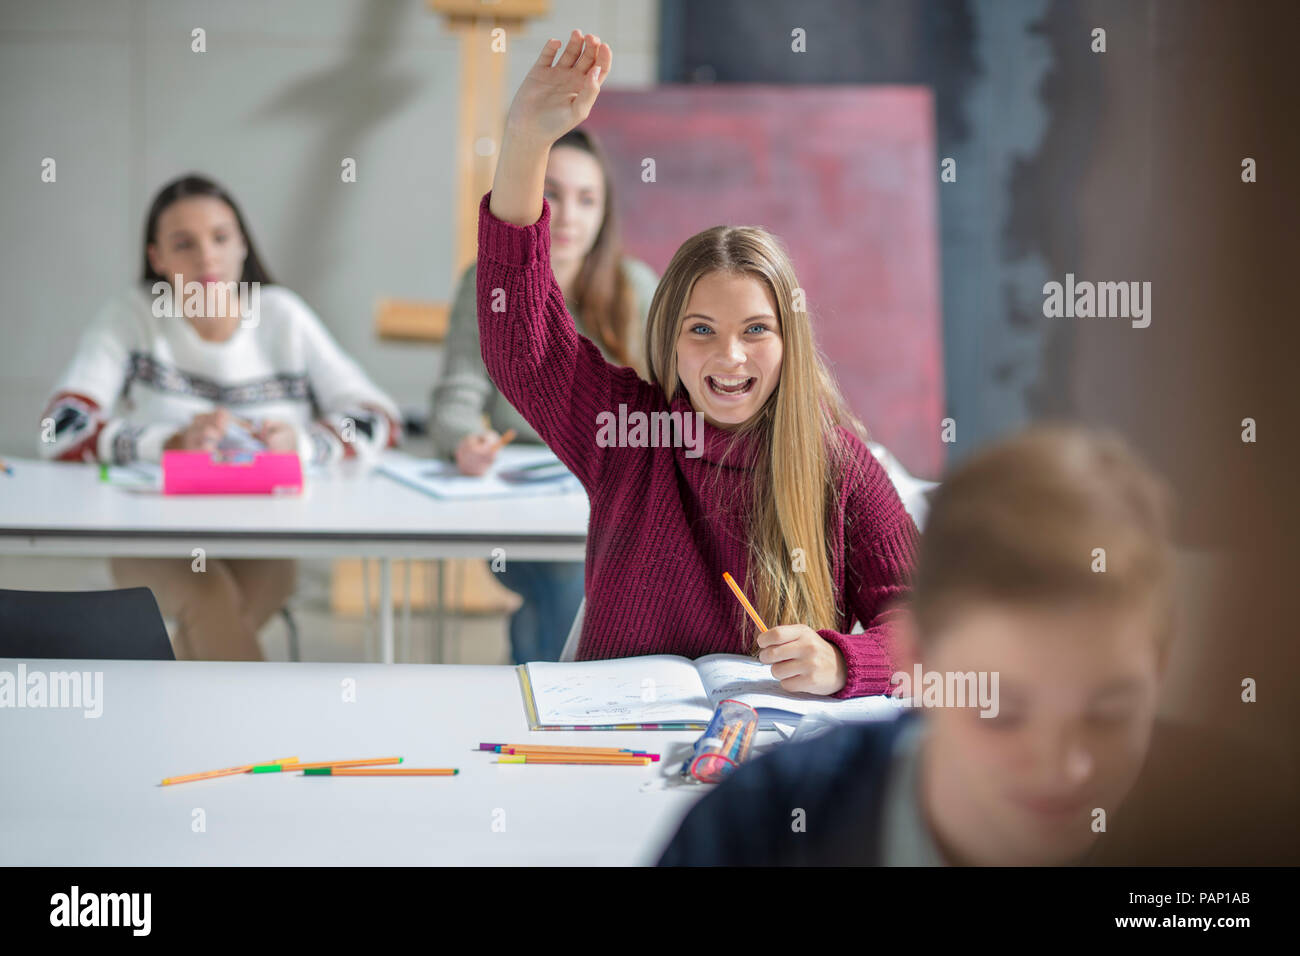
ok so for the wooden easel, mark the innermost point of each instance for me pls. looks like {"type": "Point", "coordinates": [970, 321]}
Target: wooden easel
{"type": "Point", "coordinates": [482, 116]}
{"type": "Point", "coordinates": [483, 55]}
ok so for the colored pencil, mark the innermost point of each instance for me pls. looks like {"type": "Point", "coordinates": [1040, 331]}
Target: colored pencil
{"type": "Point", "coordinates": [504, 440]}
{"type": "Point", "coordinates": [228, 771]}
{"type": "Point", "coordinates": [389, 772]}
{"type": "Point", "coordinates": [572, 753]}
{"type": "Point", "coordinates": [606, 759]}
{"type": "Point", "coordinates": [740, 596]}
{"type": "Point", "coordinates": [277, 768]}
{"type": "Point", "coordinates": [557, 748]}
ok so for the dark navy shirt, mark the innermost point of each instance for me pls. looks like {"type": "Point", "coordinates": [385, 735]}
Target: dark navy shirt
{"type": "Point", "coordinates": [1202, 799]}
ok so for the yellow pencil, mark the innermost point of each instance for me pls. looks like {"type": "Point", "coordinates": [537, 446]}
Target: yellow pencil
{"type": "Point", "coordinates": [504, 440]}
{"type": "Point", "coordinates": [209, 774]}
{"type": "Point", "coordinates": [276, 768]}
{"type": "Point", "coordinates": [380, 772]}
{"type": "Point", "coordinates": [594, 759]}
{"type": "Point", "coordinates": [740, 595]}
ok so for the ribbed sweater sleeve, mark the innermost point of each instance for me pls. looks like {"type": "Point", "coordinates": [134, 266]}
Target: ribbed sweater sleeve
{"type": "Point", "coordinates": [880, 549]}
{"type": "Point", "coordinates": [557, 379]}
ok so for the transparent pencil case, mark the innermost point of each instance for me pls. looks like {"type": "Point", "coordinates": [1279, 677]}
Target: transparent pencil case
{"type": "Point", "coordinates": [725, 745]}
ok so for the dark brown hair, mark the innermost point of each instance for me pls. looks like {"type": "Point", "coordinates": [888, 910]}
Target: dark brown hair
{"type": "Point", "coordinates": [195, 185]}
{"type": "Point", "coordinates": [602, 295]}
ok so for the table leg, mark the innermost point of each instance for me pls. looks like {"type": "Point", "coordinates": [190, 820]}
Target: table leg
{"type": "Point", "coordinates": [368, 643]}
{"type": "Point", "coordinates": [386, 609]}
{"type": "Point", "coordinates": [406, 613]}
{"type": "Point", "coordinates": [442, 607]}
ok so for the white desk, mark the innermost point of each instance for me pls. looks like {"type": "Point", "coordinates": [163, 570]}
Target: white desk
{"type": "Point", "coordinates": [85, 792]}
{"type": "Point", "coordinates": [58, 508]}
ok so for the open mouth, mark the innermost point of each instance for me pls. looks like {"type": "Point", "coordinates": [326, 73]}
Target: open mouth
{"type": "Point", "coordinates": [730, 386]}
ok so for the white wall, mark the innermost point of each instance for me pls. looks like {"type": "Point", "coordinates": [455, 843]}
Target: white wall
{"type": "Point", "coordinates": [112, 91]}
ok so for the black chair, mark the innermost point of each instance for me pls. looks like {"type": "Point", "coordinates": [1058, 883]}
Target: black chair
{"type": "Point", "coordinates": [120, 625]}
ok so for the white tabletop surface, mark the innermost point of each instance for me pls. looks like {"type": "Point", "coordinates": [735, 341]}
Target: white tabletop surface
{"type": "Point", "coordinates": [86, 791]}
{"type": "Point", "coordinates": [63, 508]}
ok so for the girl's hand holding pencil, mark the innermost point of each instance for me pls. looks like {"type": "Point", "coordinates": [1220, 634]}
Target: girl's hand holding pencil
{"type": "Point", "coordinates": [475, 453]}
{"type": "Point", "coordinates": [802, 660]}
{"type": "Point", "coordinates": [554, 97]}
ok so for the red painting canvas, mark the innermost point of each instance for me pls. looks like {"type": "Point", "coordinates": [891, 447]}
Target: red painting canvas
{"type": "Point", "coordinates": [846, 176]}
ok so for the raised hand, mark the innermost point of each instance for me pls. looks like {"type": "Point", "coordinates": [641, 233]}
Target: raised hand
{"type": "Point", "coordinates": [556, 96]}
{"type": "Point", "coordinates": [553, 99]}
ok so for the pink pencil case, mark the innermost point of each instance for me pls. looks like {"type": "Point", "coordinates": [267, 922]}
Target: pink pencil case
{"type": "Point", "coordinates": [244, 473]}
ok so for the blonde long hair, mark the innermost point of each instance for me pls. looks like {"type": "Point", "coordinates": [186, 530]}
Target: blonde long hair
{"type": "Point", "coordinates": [801, 460]}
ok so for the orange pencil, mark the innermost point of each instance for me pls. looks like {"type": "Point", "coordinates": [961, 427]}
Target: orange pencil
{"type": "Point", "coordinates": [276, 768]}
{"type": "Point", "coordinates": [595, 759]}
{"type": "Point", "coordinates": [515, 751]}
{"type": "Point", "coordinates": [744, 744]}
{"type": "Point", "coordinates": [728, 738]}
{"type": "Point", "coordinates": [390, 772]}
{"type": "Point", "coordinates": [504, 440]}
{"type": "Point", "coordinates": [554, 748]}
{"type": "Point", "coordinates": [740, 596]}
{"type": "Point", "coordinates": [228, 771]}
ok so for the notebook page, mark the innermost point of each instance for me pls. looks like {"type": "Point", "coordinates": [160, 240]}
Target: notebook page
{"type": "Point", "coordinates": [751, 682]}
{"type": "Point", "coordinates": [658, 688]}
{"type": "Point", "coordinates": [443, 479]}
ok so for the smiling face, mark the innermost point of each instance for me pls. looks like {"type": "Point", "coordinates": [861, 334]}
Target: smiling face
{"type": "Point", "coordinates": [575, 190]}
{"type": "Point", "coordinates": [729, 348]}
{"type": "Point", "coordinates": [1076, 704]}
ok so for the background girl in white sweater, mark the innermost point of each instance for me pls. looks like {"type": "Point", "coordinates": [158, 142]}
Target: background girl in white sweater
{"type": "Point", "coordinates": [145, 379]}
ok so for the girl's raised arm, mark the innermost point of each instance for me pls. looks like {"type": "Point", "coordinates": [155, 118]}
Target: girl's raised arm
{"type": "Point", "coordinates": [553, 98]}
{"type": "Point", "coordinates": [558, 380]}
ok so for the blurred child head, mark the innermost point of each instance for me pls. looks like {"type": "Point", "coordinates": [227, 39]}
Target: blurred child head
{"type": "Point", "coordinates": [1010, 580]}
{"type": "Point", "coordinates": [195, 230]}
{"type": "Point", "coordinates": [585, 236]}
{"type": "Point", "coordinates": [729, 311]}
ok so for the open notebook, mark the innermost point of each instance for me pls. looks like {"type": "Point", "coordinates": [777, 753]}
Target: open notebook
{"type": "Point", "coordinates": [518, 472]}
{"type": "Point", "coordinates": [667, 692]}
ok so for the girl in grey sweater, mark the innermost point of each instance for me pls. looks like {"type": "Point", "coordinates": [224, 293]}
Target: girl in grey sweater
{"type": "Point", "coordinates": [608, 294]}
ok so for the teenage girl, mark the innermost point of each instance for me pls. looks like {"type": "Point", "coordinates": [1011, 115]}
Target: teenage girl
{"type": "Point", "coordinates": [150, 376]}
{"type": "Point", "coordinates": [608, 294]}
{"type": "Point", "coordinates": [783, 493]}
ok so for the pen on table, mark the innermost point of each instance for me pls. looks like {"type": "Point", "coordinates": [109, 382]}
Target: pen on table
{"type": "Point", "coordinates": [277, 768]}
{"type": "Point", "coordinates": [558, 748]}
{"type": "Point", "coordinates": [740, 596]}
{"type": "Point", "coordinates": [629, 760]}
{"type": "Point", "coordinates": [378, 772]}
{"type": "Point", "coordinates": [504, 440]}
{"type": "Point", "coordinates": [528, 752]}
{"type": "Point", "coordinates": [209, 774]}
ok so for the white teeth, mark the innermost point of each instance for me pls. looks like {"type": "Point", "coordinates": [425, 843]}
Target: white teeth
{"type": "Point", "coordinates": [730, 382]}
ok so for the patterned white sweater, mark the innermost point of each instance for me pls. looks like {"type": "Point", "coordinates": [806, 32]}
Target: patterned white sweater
{"type": "Point", "coordinates": [138, 378]}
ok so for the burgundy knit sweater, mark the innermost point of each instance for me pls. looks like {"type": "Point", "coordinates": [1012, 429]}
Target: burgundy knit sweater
{"type": "Point", "coordinates": [665, 526]}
